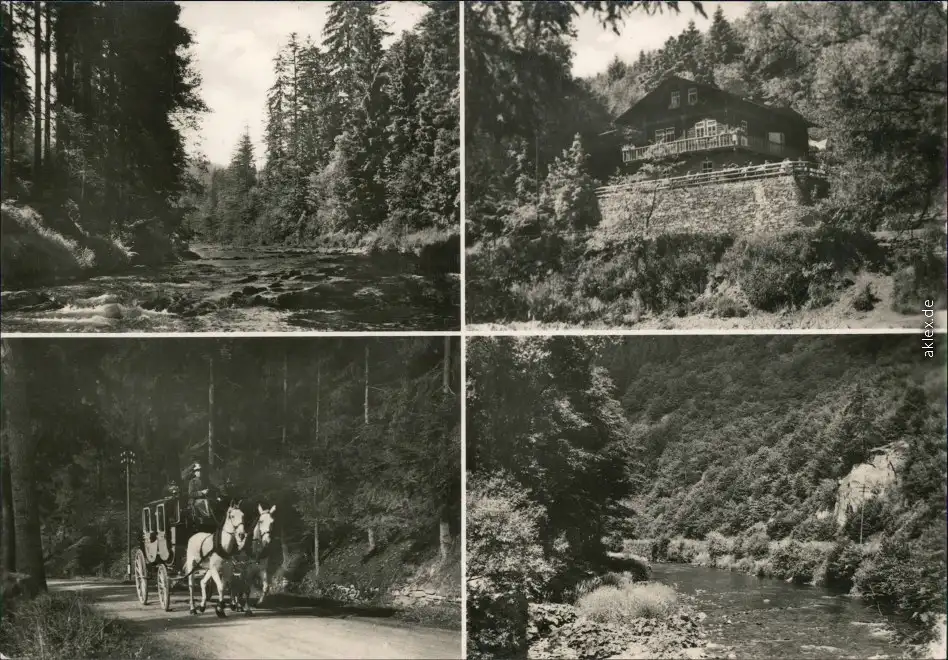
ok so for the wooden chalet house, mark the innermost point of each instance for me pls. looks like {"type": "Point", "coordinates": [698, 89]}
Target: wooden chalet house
{"type": "Point", "coordinates": [705, 129]}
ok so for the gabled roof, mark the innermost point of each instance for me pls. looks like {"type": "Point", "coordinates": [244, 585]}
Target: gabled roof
{"type": "Point", "coordinates": [785, 111]}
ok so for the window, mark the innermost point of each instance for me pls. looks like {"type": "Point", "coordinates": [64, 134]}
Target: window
{"type": "Point", "coordinates": [706, 167]}
{"type": "Point", "coordinates": [160, 518]}
{"type": "Point", "coordinates": [146, 520]}
{"type": "Point", "coordinates": [676, 100]}
{"type": "Point", "coordinates": [744, 127]}
{"type": "Point", "coordinates": [692, 95]}
{"type": "Point", "coordinates": [776, 138]}
{"type": "Point", "coordinates": [665, 134]}
{"type": "Point", "coordinates": [706, 128]}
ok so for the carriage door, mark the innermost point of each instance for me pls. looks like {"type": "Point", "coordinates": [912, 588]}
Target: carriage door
{"type": "Point", "coordinates": [161, 526]}
{"type": "Point", "coordinates": [146, 524]}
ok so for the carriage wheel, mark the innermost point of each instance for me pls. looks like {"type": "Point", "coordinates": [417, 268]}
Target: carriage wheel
{"type": "Point", "coordinates": [141, 577]}
{"type": "Point", "coordinates": [164, 587]}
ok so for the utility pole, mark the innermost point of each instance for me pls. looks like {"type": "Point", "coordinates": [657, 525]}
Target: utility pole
{"type": "Point", "coordinates": [128, 459]}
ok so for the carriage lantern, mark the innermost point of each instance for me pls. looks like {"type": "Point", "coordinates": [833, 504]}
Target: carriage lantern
{"type": "Point", "coordinates": [128, 459]}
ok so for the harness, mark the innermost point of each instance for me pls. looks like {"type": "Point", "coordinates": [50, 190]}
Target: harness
{"type": "Point", "coordinates": [217, 547]}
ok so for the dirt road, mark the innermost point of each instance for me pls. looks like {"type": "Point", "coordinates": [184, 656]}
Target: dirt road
{"type": "Point", "coordinates": [297, 628]}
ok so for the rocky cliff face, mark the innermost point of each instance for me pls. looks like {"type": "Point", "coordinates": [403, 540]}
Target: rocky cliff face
{"type": "Point", "coordinates": [867, 480]}
{"type": "Point", "coordinates": [740, 207]}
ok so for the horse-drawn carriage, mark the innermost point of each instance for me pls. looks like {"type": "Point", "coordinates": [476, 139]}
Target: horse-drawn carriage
{"type": "Point", "coordinates": [166, 527]}
{"type": "Point", "coordinates": [175, 545]}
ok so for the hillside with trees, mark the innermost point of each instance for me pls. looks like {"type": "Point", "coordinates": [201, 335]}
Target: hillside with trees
{"type": "Point", "coordinates": [726, 452]}
{"type": "Point", "coordinates": [874, 87]}
{"type": "Point", "coordinates": [362, 142]}
{"type": "Point", "coordinates": [356, 441]}
{"type": "Point", "coordinates": [95, 97]}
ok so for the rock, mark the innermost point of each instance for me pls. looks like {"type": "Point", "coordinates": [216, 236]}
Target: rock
{"type": "Point", "coordinates": [27, 301]}
{"type": "Point", "coordinates": [702, 616]}
{"type": "Point", "coordinates": [112, 311]}
{"type": "Point", "coordinates": [766, 601]}
{"type": "Point", "coordinates": [247, 279]}
{"type": "Point", "coordinates": [250, 290]}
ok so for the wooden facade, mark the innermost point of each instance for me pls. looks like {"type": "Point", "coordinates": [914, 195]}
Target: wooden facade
{"type": "Point", "coordinates": [702, 127]}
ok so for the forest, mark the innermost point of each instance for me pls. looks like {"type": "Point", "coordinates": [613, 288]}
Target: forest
{"type": "Point", "coordinates": [95, 97]}
{"type": "Point", "coordinates": [733, 447]}
{"type": "Point", "coordinates": [362, 143]}
{"type": "Point", "coordinates": [356, 441]}
{"type": "Point", "coordinates": [871, 75]}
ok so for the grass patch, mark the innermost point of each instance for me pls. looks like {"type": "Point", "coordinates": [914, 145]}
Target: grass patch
{"type": "Point", "coordinates": [616, 604]}
{"type": "Point", "coordinates": [64, 625]}
{"type": "Point", "coordinates": [33, 251]}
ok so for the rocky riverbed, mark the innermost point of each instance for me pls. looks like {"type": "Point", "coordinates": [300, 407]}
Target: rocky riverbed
{"type": "Point", "coordinates": [557, 631]}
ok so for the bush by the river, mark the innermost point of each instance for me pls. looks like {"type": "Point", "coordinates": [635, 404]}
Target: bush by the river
{"type": "Point", "coordinates": [616, 603]}
{"type": "Point", "coordinates": [38, 248]}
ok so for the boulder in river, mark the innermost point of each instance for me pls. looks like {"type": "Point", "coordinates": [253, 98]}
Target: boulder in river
{"type": "Point", "coordinates": [27, 301]}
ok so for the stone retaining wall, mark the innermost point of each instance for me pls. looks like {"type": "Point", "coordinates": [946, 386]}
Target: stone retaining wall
{"type": "Point", "coordinates": [741, 207]}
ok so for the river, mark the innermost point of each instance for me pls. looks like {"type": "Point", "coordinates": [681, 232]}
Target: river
{"type": "Point", "coordinates": [765, 618]}
{"type": "Point", "coordinates": [249, 290]}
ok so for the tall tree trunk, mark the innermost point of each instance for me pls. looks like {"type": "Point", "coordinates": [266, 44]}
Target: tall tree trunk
{"type": "Point", "coordinates": [9, 171]}
{"type": "Point", "coordinates": [37, 95]}
{"type": "Point", "coordinates": [366, 383]}
{"type": "Point", "coordinates": [284, 398]}
{"type": "Point", "coordinates": [315, 538]}
{"type": "Point", "coordinates": [21, 447]}
{"type": "Point", "coordinates": [444, 527]}
{"type": "Point", "coordinates": [371, 532]}
{"type": "Point", "coordinates": [319, 368]}
{"type": "Point", "coordinates": [48, 114]}
{"type": "Point", "coordinates": [210, 418]}
{"type": "Point", "coordinates": [8, 540]}
{"type": "Point", "coordinates": [444, 537]}
{"type": "Point", "coordinates": [446, 374]}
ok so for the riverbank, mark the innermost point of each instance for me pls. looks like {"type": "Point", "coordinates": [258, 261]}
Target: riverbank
{"type": "Point", "coordinates": [844, 567]}
{"type": "Point", "coordinates": [615, 622]}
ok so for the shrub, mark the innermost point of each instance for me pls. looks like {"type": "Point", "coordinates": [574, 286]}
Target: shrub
{"type": "Point", "coordinates": [726, 307]}
{"type": "Point", "coordinates": [779, 271]}
{"type": "Point", "coordinates": [610, 579]}
{"type": "Point", "coordinates": [908, 573]}
{"type": "Point", "coordinates": [841, 565]}
{"type": "Point", "coordinates": [865, 300]}
{"type": "Point", "coordinates": [796, 561]}
{"type": "Point", "coordinates": [659, 548]}
{"type": "Point", "coordinates": [755, 542]}
{"type": "Point", "coordinates": [502, 530]}
{"type": "Point", "coordinates": [866, 520]}
{"type": "Point", "coordinates": [610, 604]}
{"type": "Point", "coordinates": [923, 278]}
{"type": "Point", "coordinates": [816, 529]}
{"type": "Point", "coordinates": [718, 544]}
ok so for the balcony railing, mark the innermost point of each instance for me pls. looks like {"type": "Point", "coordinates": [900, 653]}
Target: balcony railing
{"type": "Point", "coordinates": [735, 140]}
{"type": "Point", "coordinates": [749, 173]}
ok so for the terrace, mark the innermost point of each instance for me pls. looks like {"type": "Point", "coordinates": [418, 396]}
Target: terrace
{"type": "Point", "coordinates": [731, 140]}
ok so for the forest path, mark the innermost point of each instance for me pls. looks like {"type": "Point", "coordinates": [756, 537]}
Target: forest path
{"type": "Point", "coordinates": [247, 289]}
{"type": "Point", "coordinates": [309, 630]}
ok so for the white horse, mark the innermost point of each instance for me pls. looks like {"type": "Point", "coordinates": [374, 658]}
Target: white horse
{"type": "Point", "coordinates": [261, 562]}
{"type": "Point", "coordinates": [203, 553]}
